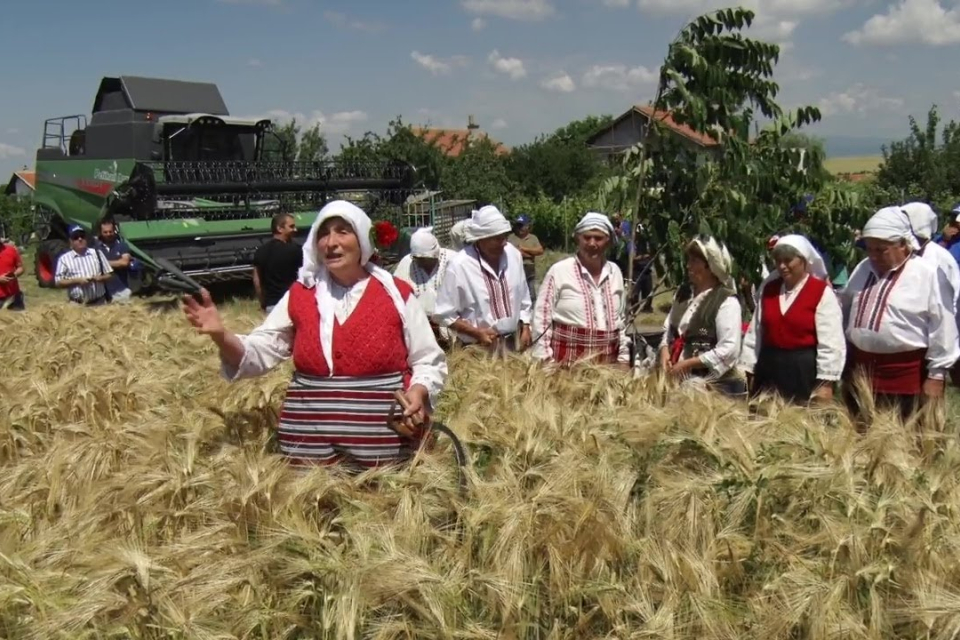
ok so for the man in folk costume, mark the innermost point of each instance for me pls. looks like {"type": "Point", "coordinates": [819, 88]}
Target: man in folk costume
{"type": "Point", "coordinates": [579, 313]}
{"type": "Point", "coordinates": [704, 329]}
{"type": "Point", "coordinates": [899, 329]}
{"type": "Point", "coordinates": [484, 296]}
{"type": "Point", "coordinates": [423, 269]}
{"type": "Point", "coordinates": [356, 335]}
{"type": "Point", "coordinates": [795, 345]}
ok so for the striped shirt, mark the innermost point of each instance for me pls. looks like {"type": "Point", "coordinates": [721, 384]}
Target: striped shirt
{"type": "Point", "coordinates": [89, 264]}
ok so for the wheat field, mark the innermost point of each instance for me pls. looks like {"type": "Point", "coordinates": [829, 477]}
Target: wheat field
{"type": "Point", "coordinates": [140, 498]}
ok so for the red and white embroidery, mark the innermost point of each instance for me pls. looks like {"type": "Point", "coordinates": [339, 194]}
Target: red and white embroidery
{"type": "Point", "coordinates": [873, 300]}
{"type": "Point", "coordinates": [498, 291]}
{"type": "Point", "coordinates": [606, 298]}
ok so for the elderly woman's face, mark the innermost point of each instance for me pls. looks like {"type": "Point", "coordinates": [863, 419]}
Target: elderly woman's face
{"type": "Point", "coordinates": [492, 248]}
{"type": "Point", "coordinates": [338, 245]}
{"type": "Point", "coordinates": [791, 266]}
{"type": "Point", "coordinates": [698, 270]}
{"type": "Point", "coordinates": [885, 255]}
{"type": "Point", "coordinates": [592, 244]}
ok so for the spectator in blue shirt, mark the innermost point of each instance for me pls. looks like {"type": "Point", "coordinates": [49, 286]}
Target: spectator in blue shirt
{"type": "Point", "coordinates": [118, 255]}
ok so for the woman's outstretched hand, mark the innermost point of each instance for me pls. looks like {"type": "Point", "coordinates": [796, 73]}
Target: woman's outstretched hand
{"type": "Point", "coordinates": [203, 315]}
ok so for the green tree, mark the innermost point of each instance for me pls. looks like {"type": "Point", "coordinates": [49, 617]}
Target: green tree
{"type": "Point", "coordinates": [282, 142]}
{"type": "Point", "coordinates": [560, 164]}
{"type": "Point", "coordinates": [917, 168]}
{"type": "Point", "coordinates": [478, 173]}
{"type": "Point", "coordinates": [312, 145]}
{"type": "Point", "coordinates": [717, 82]}
{"type": "Point", "coordinates": [16, 219]}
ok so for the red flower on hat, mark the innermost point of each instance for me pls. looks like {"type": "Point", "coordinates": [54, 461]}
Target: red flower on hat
{"type": "Point", "coordinates": [385, 234]}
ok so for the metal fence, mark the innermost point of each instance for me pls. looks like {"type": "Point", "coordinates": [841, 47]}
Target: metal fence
{"type": "Point", "coordinates": [430, 211]}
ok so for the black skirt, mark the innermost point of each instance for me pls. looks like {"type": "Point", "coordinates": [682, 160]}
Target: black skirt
{"type": "Point", "coordinates": [790, 372]}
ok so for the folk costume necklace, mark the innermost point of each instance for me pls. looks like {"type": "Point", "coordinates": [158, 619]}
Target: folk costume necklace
{"type": "Point", "coordinates": [497, 290]}
{"type": "Point", "coordinates": [422, 279]}
{"type": "Point", "coordinates": [606, 299]}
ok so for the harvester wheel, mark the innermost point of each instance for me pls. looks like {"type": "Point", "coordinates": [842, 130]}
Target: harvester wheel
{"type": "Point", "coordinates": [45, 262]}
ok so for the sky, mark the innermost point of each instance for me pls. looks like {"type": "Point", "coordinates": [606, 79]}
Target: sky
{"type": "Point", "coordinates": [520, 67]}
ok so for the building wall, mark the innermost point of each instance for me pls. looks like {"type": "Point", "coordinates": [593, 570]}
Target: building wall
{"type": "Point", "coordinates": [22, 190]}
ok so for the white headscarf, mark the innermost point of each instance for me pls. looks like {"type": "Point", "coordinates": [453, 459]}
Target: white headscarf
{"type": "Point", "coordinates": [314, 274]}
{"type": "Point", "coordinates": [487, 222]}
{"type": "Point", "coordinates": [593, 221]}
{"type": "Point", "coordinates": [423, 244]}
{"type": "Point", "coordinates": [458, 234]}
{"type": "Point", "coordinates": [923, 219]}
{"type": "Point", "coordinates": [891, 224]}
{"type": "Point", "coordinates": [718, 259]}
{"type": "Point", "coordinates": [815, 265]}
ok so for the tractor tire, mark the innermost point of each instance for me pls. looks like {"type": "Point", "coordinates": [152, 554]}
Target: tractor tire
{"type": "Point", "coordinates": [45, 261]}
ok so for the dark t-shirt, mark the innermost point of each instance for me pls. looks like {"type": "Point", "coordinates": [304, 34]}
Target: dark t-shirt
{"type": "Point", "coordinates": [121, 277]}
{"type": "Point", "coordinates": [278, 263]}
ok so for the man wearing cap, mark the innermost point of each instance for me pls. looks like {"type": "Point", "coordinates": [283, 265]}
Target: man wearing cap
{"type": "Point", "coordinates": [579, 314]}
{"type": "Point", "coordinates": [484, 296]}
{"type": "Point", "coordinates": [423, 269]}
{"type": "Point", "coordinates": [529, 246]}
{"type": "Point", "coordinates": [899, 330]}
{"type": "Point", "coordinates": [83, 271]}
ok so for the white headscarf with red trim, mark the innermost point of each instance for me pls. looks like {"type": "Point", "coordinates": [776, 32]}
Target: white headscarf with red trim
{"type": "Point", "coordinates": [313, 273]}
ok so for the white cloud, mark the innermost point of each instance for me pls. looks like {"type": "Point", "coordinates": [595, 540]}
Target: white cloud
{"type": "Point", "coordinates": [254, 62]}
{"type": "Point", "coordinates": [335, 123]}
{"type": "Point", "coordinates": [911, 21]}
{"type": "Point", "coordinates": [512, 67]}
{"type": "Point", "coordinates": [616, 4]}
{"type": "Point", "coordinates": [857, 99]}
{"type": "Point", "coordinates": [344, 21]}
{"type": "Point", "coordinates": [618, 77]}
{"type": "Point", "coordinates": [499, 123]}
{"type": "Point", "coordinates": [478, 24]}
{"type": "Point", "coordinates": [10, 151]}
{"type": "Point", "coordinates": [437, 65]}
{"type": "Point", "coordinates": [268, 3]}
{"type": "Point", "coordinates": [13, 131]}
{"type": "Point", "coordinates": [511, 9]}
{"type": "Point", "coordinates": [562, 83]}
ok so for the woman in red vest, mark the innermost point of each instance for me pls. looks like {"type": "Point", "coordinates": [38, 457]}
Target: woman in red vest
{"type": "Point", "coordinates": [356, 335]}
{"type": "Point", "coordinates": [795, 345]}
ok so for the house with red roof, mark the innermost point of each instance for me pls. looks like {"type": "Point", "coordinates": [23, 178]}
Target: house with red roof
{"type": "Point", "coordinates": [453, 142]}
{"type": "Point", "coordinates": [629, 129]}
{"type": "Point", "coordinates": [22, 184]}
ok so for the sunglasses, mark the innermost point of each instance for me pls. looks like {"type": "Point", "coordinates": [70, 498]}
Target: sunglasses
{"type": "Point", "coordinates": [78, 236]}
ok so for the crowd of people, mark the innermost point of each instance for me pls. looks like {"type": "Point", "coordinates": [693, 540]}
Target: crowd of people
{"type": "Point", "coordinates": [364, 340]}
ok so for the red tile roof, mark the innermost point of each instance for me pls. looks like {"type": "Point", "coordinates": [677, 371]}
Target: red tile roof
{"type": "Point", "coordinates": [29, 177]}
{"type": "Point", "coordinates": [453, 141]}
{"type": "Point", "coordinates": [666, 119]}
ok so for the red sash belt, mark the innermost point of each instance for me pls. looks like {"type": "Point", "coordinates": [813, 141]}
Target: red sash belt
{"type": "Point", "coordinates": [894, 373]}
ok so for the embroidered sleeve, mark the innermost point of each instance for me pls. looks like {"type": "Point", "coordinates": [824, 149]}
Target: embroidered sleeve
{"type": "Point", "coordinates": [448, 308]}
{"type": "Point", "coordinates": [944, 343]}
{"type": "Point", "coordinates": [750, 352]}
{"type": "Point", "coordinates": [729, 324]}
{"type": "Point", "coordinates": [542, 329]}
{"type": "Point", "coordinates": [831, 343]}
{"type": "Point", "coordinates": [425, 357]}
{"type": "Point", "coordinates": [526, 304]}
{"type": "Point", "coordinates": [265, 347]}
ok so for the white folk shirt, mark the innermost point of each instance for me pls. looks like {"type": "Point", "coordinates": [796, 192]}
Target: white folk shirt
{"type": "Point", "coordinates": [464, 294]}
{"type": "Point", "coordinates": [425, 285]}
{"type": "Point", "coordinates": [272, 342]}
{"type": "Point", "coordinates": [831, 343]}
{"type": "Point", "coordinates": [729, 328]}
{"type": "Point", "coordinates": [948, 273]}
{"type": "Point", "coordinates": [89, 264]}
{"type": "Point", "coordinates": [562, 300]}
{"type": "Point", "coordinates": [908, 315]}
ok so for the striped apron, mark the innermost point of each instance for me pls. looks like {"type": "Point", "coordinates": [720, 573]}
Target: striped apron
{"type": "Point", "coordinates": [341, 419]}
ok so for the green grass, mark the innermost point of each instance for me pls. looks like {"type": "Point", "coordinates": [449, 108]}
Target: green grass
{"type": "Point", "coordinates": [853, 164]}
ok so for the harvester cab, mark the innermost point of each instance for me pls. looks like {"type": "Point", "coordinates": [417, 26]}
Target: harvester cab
{"type": "Point", "coordinates": [191, 188]}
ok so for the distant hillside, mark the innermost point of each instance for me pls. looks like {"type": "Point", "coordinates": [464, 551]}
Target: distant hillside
{"type": "Point", "coordinates": [853, 146]}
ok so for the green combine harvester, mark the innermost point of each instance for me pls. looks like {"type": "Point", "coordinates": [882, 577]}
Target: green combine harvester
{"type": "Point", "coordinates": [191, 188]}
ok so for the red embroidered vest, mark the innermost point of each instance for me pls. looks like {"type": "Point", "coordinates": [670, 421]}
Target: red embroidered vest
{"type": "Point", "coordinates": [797, 329]}
{"type": "Point", "coordinates": [369, 343]}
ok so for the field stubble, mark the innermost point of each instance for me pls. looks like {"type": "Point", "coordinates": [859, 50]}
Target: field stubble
{"type": "Point", "coordinates": [140, 498]}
